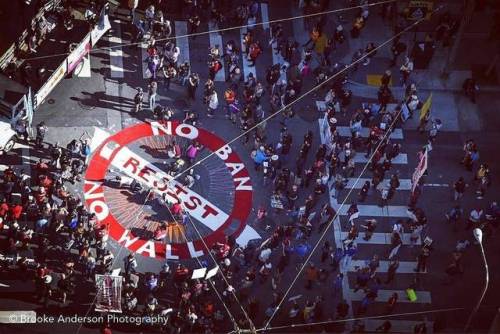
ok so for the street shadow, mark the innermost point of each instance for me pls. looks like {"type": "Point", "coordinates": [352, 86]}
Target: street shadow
{"type": "Point", "coordinates": [102, 100]}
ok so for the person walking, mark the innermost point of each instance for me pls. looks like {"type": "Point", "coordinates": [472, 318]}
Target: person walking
{"type": "Point", "coordinates": [41, 130]}
{"type": "Point", "coordinates": [138, 100]}
{"type": "Point", "coordinates": [363, 193]}
{"type": "Point", "coordinates": [132, 6]}
{"type": "Point", "coordinates": [192, 84]}
{"type": "Point", "coordinates": [459, 187]}
{"type": "Point", "coordinates": [370, 225]}
{"type": "Point", "coordinates": [391, 270]}
{"type": "Point", "coordinates": [422, 260]}
{"type": "Point", "coordinates": [406, 70]}
{"type": "Point", "coordinates": [391, 303]}
{"type": "Point", "coordinates": [311, 275]}
{"type": "Point", "coordinates": [153, 89]}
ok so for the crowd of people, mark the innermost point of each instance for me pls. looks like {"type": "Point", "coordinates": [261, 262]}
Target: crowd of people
{"type": "Point", "coordinates": [40, 217]}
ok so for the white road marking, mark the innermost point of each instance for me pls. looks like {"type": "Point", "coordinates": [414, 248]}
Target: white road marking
{"type": "Point", "coordinates": [377, 211]}
{"type": "Point", "coordinates": [182, 42]}
{"type": "Point", "coordinates": [380, 239]}
{"type": "Point", "coordinates": [216, 39]}
{"type": "Point", "coordinates": [404, 184]}
{"type": "Point", "coordinates": [405, 267]}
{"type": "Point", "coordinates": [397, 326]}
{"type": "Point", "coordinates": [401, 159]}
{"type": "Point", "coordinates": [116, 53]}
{"type": "Point", "coordinates": [246, 68]}
{"type": "Point", "coordinates": [144, 56]}
{"type": "Point", "coordinates": [423, 297]}
{"type": "Point", "coordinates": [264, 12]}
{"type": "Point", "coordinates": [155, 179]}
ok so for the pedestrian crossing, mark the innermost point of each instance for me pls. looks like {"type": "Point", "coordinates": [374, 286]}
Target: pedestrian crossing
{"type": "Point", "coordinates": [397, 326]}
{"type": "Point", "coordinates": [216, 42]}
{"type": "Point", "coordinates": [406, 265]}
{"type": "Point", "coordinates": [423, 297]}
{"type": "Point", "coordinates": [382, 239]}
{"type": "Point", "coordinates": [247, 69]}
{"type": "Point", "coordinates": [182, 41]}
{"type": "Point", "coordinates": [116, 52]}
{"type": "Point", "coordinates": [277, 58]}
{"type": "Point", "coordinates": [396, 211]}
{"type": "Point", "coordinates": [404, 184]}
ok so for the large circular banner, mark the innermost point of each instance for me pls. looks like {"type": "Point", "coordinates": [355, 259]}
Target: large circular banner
{"type": "Point", "coordinates": [216, 203]}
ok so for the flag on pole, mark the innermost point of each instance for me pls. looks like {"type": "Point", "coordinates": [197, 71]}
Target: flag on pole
{"type": "Point", "coordinates": [426, 107]}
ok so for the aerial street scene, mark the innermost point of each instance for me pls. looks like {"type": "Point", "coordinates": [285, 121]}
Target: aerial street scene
{"type": "Point", "coordinates": [249, 166]}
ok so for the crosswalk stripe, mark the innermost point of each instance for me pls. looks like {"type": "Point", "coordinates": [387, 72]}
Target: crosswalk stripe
{"type": "Point", "coordinates": [144, 56]}
{"type": "Point", "coordinates": [182, 42]}
{"type": "Point", "coordinates": [277, 58]}
{"type": "Point", "coordinates": [345, 131]}
{"type": "Point", "coordinates": [397, 326]}
{"type": "Point", "coordinates": [405, 267]}
{"type": "Point", "coordinates": [404, 184]}
{"type": "Point", "coordinates": [264, 12]}
{"type": "Point", "coordinates": [381, 239]}
{"type": "Point", "coordinates": [247, 69]}
{"type": "Point", "coordinates": [423, 297]}
{"type": "Point", "coordinates": [401, 159]}
{"type": "Point", "coordinates": [377, 211]}
{"type": "Point", "coordinates": [216, 39]}
{"type": "Point", "coordinates": [116, 53]}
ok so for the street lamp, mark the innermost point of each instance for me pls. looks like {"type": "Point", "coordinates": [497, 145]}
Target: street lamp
{"type": "Point", "coordinates": [478, 235]}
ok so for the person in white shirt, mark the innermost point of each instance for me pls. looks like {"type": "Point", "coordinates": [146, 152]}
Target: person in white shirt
{"type": "Point", "coordinates": [213, 104]}
{"type": "Point", "coordinates": [264, 255]}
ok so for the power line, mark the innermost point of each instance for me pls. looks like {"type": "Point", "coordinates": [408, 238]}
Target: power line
{"type": "Point", "coordinates": [224, 29]}
{"type": "Point", "coordinates": [362, 318]}
{"type": "Point", "coordinates": [233, 291]}
{"type": "Point", "coordinates": [113, 263]}
{"type": "Point", "coordinates": [386, 134]}
{"type": "Point", "coordinates": [235, 323]}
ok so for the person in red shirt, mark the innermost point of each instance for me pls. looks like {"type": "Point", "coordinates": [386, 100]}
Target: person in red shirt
{"type": "Point", "coordinates": [4, 208]}
{"type": "Point", "coordinates": [15, 212]}
{"type": "Point", "coordinates": [254, 52]}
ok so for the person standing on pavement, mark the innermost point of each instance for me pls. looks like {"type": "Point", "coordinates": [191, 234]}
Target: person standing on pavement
{"type": "Point", "coordinates": [193, 24]}
{"type": "Point", "coordinates": [41, 130]}
{"type": "Point", "coordinates": [130, 265]}
{"type": "Point", "coordinates": [311, 275]}
{"type": "Point", "coordinates": [138, 100]}
{"type": "Point", "coordinates": [213, 104]}
{"type": "Point", "coordinates": [370, 225]}
{"type": "Point", "coordinates": [475, 218]}
{"type": "Point", "coordinates": [459, 188]}
{"type": "Point", "coordinates": [132, 6]}
{"type": "Point", "coordinates": [406, 70]}
{"type": "Point", "coordinates": [253, 53]}
{"type": "Point", "coordinates": [153, 89]}
{"type": "Point", "coordinates": [192, 84]}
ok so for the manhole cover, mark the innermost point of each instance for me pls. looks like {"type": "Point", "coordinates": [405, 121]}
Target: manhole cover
{"type": "Point", "coordinates": [51, 101]}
